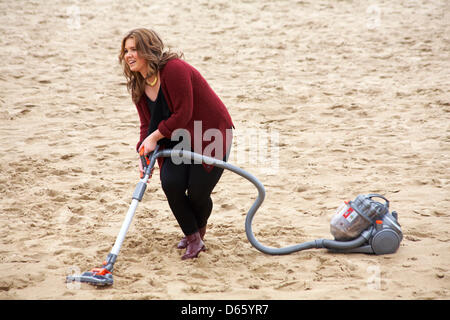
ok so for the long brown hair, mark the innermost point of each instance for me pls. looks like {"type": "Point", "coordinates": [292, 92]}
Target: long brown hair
{"type": "Point", "coordinates": [150, 47]}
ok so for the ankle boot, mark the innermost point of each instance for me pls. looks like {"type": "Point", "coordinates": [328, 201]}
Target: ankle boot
{"type": "Point", "coordinates": [183, 242]}
{"type": "Point", "coordinates": [194, 246]}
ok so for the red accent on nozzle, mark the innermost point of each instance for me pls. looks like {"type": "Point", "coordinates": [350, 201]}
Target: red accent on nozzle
{"type": "Point", "coordinates": [100, 271]}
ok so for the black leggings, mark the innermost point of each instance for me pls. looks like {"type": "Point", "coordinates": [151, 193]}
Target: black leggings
{"type": "Point", "coordinates": [188, 189]}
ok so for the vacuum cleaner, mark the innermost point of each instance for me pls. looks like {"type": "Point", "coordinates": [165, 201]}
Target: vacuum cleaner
{"type": "Point", "coordinates": [363, 225]}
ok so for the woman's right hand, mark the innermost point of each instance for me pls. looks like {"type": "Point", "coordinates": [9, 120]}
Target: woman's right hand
{"type": "Point", "coordinates": [148, 145]}
{"type": "Point", "coordinates": [141, 168]}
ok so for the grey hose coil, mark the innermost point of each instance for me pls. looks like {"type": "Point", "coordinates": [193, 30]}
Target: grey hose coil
{"type": "Point", "coordinates": [319, 243]}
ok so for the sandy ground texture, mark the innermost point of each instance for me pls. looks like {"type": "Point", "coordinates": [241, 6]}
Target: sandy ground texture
{"type": "Point", "coordinates": [342, 97]}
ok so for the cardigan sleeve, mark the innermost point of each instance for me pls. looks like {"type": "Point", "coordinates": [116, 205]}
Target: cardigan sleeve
{"type": "Point", "coordinates": [178, 85]}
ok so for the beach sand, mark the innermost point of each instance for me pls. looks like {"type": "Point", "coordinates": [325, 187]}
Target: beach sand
{"type": "Point", "coordinates": [343, 97]}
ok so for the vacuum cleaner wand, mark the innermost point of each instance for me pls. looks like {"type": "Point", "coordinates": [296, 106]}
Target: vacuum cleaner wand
{"type": "Point", "coordinates": [103, 276]}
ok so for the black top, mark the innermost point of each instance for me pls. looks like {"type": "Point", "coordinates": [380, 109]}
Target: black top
{"type": "Point", "coordinates": [159, 111]}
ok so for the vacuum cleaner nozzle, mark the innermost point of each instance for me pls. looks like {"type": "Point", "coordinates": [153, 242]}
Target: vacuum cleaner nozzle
{"type": "Point", "coordinates": [96, 277]}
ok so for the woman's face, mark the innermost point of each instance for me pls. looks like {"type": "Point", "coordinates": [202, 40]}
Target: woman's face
{"type": "Point", "coordinates": [132, 58]}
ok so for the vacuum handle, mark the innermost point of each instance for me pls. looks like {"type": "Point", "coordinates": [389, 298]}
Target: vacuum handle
{"type": "Point", "coordinates": [376, 195]}
{"type": "Point", "coordinates": [147, 161]}
{"type": "Point", "coordinates": [144, 160]}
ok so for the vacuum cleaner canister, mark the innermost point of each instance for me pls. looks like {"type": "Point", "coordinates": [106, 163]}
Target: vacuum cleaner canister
{"type": "Point", "coordinates": [353, 217]}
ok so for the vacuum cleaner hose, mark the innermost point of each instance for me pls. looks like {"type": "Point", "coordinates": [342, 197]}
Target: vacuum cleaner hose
{"type": "Point", "coordinates": [320, 243]}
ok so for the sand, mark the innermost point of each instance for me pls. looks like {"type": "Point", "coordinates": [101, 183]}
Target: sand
{"type": "Point", "coordinates": [347, 97]}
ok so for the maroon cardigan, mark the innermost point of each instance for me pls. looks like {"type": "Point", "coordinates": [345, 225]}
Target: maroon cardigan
{"type": "Point", "coordinates": [189, 98]}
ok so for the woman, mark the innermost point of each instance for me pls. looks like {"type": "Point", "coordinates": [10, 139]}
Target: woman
{"type": "Point", "coordinates": [170, 95]}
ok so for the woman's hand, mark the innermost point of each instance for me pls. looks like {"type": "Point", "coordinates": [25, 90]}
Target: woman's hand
{"type": "Point", "coordinates": [149, 144]}
{"type": "Point", "coordinates": [141, 169]}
